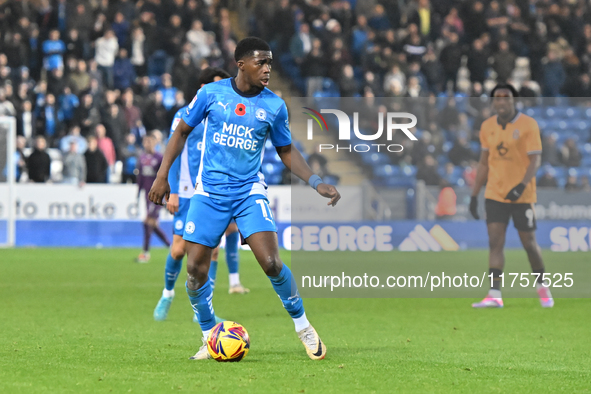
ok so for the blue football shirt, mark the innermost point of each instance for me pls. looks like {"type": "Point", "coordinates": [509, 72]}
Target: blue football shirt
{"type": "Point", "coordinates": [236, 127]}
{"type": "Point", "coordinates": [182, 176]}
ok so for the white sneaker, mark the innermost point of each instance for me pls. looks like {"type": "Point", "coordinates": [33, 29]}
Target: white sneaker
{"type": "Point", "coordinates": [202, 353]}
{"type": "Point", "coordinates": [314, 347]}
{"type": "Point", "coordinates": [238, 289]}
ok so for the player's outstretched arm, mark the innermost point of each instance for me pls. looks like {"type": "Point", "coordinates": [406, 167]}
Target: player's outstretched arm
{"type": "Point", "coordinates": [481, 177]}
{"type": "Point", "coordinates": [160, 188]}
{"type": "Point", "coordinates": [294, 161]}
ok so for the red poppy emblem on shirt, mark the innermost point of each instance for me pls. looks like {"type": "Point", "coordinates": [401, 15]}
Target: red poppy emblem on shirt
{"type": "Point", "coordinates": [240, 109]}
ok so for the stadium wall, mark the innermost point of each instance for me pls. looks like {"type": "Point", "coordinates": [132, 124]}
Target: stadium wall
{"type": "Point", "coordinates": [110, 216]}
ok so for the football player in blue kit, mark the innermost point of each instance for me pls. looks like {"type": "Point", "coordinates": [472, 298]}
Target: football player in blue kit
{"type": "Point", "coordinates": [240, 113]}
{"type": "Point", "coordinates": [181, 178]}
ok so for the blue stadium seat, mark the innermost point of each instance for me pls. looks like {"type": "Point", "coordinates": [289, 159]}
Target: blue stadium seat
{"type": "Point", "coordinates": [586, 161]}
{"type": "Point", "coordinates": [543, 124]}
{"type": "Point", "coordinates": [386, 171]}
{"type": "Point", "coordinates": [573, 112]}
{"type": "Point", "coordinates": [375, 158]}
{"type": "Point", "coordinates": [534, 112]}
{"type": "Point", "coordinates": [555, 112]}
{"type": "Point", "coordinates": [409, 171]}
{"type": "Point", "coordinates": [272, 169]}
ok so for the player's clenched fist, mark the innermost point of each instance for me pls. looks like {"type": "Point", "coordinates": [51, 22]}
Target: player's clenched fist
{"type": "Point", "coordinates": [160, 190]}
{"type": "Point", "coordinates": [329, 191]}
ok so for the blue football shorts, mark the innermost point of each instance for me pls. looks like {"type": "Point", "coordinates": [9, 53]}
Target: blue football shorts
{"type": "Point", "coordinates": [208, 218]}
{"type": "Point", "coordinates": [178, 223]}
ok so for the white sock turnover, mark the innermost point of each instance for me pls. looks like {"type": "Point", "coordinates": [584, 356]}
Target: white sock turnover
{"type": "Point", "coordinates": [301, 322]}
{"type": "Point", "coordinates": [168, 293]}
{"type": "Point", "coordinates": [234, 279]}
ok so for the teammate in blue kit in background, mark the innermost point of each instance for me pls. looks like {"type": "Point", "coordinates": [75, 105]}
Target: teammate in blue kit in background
{"type": "Point", "coordinates": [181, 178]}
{"type": "Point", "coordinates": [240, 114]}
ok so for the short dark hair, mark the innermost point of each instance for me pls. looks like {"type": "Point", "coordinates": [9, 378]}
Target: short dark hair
{"type": "Point", "coordinates": [248, 45]}
{"type": "Point", "coordinates": [504, 85]}
{"type": "Point", "coordinates": [208, 75]}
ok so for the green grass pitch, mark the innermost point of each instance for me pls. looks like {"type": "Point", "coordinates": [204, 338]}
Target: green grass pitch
{"type": "Point", "coordinates": [80, 320]}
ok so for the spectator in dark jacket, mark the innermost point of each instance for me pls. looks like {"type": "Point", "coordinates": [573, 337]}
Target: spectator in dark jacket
{"type": "Point", "coordinates": [504, 62]}
{"type": "Point", "coordinates": [39, 162]}
{"type": "Point", "coordinates": [477, 62]}
{"type": "Point", "coordinates": [87, 116]}
{"type": "Point", "coordinates": [451, 57]}
{"type": "Point", "coordinates": [569, 154]}
{"type": "Point", "coordinates": [554, 75]}
{"type": "Point", "coordinates": [123, 71]}
{"type": "Point", "coordinates": [461, 154]}
{"type": "Point", "coordinates": [96, 164]}
{"type": "Point", "coordinates": [427, 172]}
{"type": "Point", "coordinates": [155, 115]}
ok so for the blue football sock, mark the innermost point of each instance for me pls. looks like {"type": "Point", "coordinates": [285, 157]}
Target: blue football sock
{"type": "Point", "coordinates": [201, 303]}
{"type": "Point", "coordinates": [232, 252]}
{"type": "Point", "coordinates": [171, 272]}
{"type": "Point", "coordinates": [213, 271]}
{"type": "Point", "coordinates": [286, 288]}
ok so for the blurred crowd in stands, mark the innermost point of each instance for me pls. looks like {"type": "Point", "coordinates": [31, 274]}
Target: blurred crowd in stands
{"type": "Point", "coordinates": [442, 48]}
{"type": "Point", "coordinates": [87, 79]}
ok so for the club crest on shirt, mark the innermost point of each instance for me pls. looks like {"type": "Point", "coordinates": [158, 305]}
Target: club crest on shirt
{"type": "Point", "coordinates": [515, 134]}
{"type": "Point", "coordinates": [261, 114]}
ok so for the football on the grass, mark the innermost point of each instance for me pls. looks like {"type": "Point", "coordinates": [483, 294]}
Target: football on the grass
{"type": "Point", "coordinates": [228, 341]}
